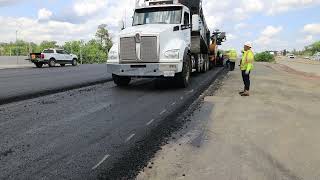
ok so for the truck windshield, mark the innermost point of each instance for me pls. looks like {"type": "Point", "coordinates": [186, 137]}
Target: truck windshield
{"type": "Point", "coordinates": [158, 15]}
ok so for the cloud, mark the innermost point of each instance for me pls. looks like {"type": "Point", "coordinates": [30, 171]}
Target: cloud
{"type": "Point", "coordinates": [44, 14]}
{"type": "Point", "coordinates": [268, 35]}
{"type": "Point", "coordinates": [312, 28]}
{"type": "Point", "coordinates": [279, 6]}
{"type": "Point", "coordinates": [240, 26]}
{"type": "Point", "coordinates": [88, 7]}
{"type": "Point", "coordinates": [271, 31]}
{"type": "Point", "coordinates": [9, 2]}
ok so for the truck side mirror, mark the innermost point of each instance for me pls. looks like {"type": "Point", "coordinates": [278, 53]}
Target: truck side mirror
{"type": "Point", "coordinates": [121, 25]}
{"type": "Point", "coordinates": [195, 22]}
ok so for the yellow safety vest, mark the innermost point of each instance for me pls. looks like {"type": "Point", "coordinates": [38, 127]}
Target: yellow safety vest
{"type": "Point", "coordinates": [247, 61]}
{"type": "Point", "coordinates": [233, 55]}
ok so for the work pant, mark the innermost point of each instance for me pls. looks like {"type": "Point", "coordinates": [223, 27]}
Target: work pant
{"type": "Point", "coordinates": [232, 65]}
{"type": "Point", "coordinates": [228, 64]}
{"type": "Point", "coordinates": [246, 80]}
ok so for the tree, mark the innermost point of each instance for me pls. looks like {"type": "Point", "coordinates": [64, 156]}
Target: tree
{"type": "Point", "coordinates": [264, 57]}
{"type": "Point", "coordinates": [104, 37]}
{"type": "Point", "coordinates": [73, 47]}
{"type": "Point", "coordinates": [47, 45]}
{"type": "Point", "coordinates": [94, 53]}
{"type": "Point", "coordinates": [312, 49]}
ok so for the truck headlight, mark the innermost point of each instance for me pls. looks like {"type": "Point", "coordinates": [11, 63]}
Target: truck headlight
{"type": "Point", "coordinates": [113, 55]}
{"type": "Point", "coordinates": [172, 54]}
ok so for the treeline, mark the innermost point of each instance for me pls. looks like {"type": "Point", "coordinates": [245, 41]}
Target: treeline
{"type": "Point", "coordinates": [93, 51]}
{"type": "Point", "coordinates": [309, 50]}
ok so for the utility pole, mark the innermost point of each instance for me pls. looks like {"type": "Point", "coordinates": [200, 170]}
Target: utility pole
{"type": "Point", "coordinates": [17, 45]}
{"type": "Point", "coordinates": [81, 42]}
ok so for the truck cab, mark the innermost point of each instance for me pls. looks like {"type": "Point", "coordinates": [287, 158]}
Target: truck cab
{"type": "Point", "coordinates": [157, 45]}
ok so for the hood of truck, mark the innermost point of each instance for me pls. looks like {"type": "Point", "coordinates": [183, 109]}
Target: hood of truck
{"type": "Point", "coordinates": [147, 29]}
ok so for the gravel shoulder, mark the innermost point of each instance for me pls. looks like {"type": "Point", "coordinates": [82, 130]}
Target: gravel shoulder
{"type": "Point", "coordinates": [310, 67]}
{"type": "Point", "coordinates": [272, 134]}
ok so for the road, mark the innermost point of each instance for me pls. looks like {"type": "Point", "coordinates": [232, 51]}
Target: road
{"type": "Point", "coordinates": [90, 132]}
{"type": "Point", "coordinates": [271, 135]}
{"type": "Point", "coordinates": [19, 84]}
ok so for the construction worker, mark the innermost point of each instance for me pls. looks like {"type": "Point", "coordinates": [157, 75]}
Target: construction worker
{"type": "Point", "coordinates": [246, 67]}
{"type": "Point", "coordinates": [232, 58]}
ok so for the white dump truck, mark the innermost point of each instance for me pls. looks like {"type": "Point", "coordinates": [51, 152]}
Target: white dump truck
{"type": "Point", "coordinates": [168, 39]}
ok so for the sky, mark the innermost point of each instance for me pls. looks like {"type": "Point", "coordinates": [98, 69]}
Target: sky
{"type": "Point", "coordinates": [268, 24]}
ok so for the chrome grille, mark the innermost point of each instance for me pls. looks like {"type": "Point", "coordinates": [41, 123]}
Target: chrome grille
{"type": "Point", "coordinates": [148, 49]}
{"type": "Point", "coordinates": [128, 49]}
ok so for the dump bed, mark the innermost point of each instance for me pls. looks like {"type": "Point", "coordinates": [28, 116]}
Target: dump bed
{"type": "Point", "coordinates": [193, 5]}
{"type": "Point", "coordinates": [200, 39]}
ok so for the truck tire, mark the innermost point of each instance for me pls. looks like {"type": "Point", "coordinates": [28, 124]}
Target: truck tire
{"type": "Point", "coordinates": [183, 78]}
{"type": "Point", "coordinates": [197, 63]}
{"type": "Point", "coordinates": [205, 67]}
{"type": "Point", "coordinates": [121, 80]}
{"type": "Point", "coordinates": [211, 65]}
{"type": "Point", "coordinates": [52, 62]}
{"type": "Point", "coordinates": [74, 62]}
{"type": "Point", "coordinates": [38, 65]}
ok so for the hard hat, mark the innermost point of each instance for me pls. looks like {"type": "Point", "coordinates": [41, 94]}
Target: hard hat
{"type": "Point", "coordinates": [249, 44]}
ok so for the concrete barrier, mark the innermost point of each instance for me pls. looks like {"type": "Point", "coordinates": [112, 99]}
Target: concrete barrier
{"type": "Point", "coordinates": [14, 62]}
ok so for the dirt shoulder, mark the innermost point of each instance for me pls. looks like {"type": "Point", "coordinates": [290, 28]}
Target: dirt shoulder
{"type": "Point", "coordinates": [273, 134]}
{"type": "Point", "coordinates": [309, 67]}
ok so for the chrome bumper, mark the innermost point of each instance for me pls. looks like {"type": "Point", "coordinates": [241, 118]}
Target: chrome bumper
{"type": "Point", "coordinates": [144, 70]}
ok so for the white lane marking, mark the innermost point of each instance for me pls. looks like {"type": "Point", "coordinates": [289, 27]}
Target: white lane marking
{"type": "Point", "coordinates": [130, 137]}
{"type": "Point", "coordinates": [181, 97]}
{"type": "Point", "coordinates": [162, 112]}
{"type": "Point", "coordinates": [189, 92]}
{"type": "Point", "coordinates": [103, 159]}
{"type": "Point", "coordinates": [173, 104]}
{"type": "Point", "coordinates": [150, 122]}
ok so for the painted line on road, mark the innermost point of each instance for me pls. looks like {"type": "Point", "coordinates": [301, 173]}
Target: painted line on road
{"type": "Point", "coordinates": [174, 103]}
{"type": "Point", "coordinates": [130, 137]}
{"type": "Point", "coordinates": [189, 92]}
{"type": "Point", "coordinates": [181, 97]}
{"type": "Point", "coordinates": [103, 159]}
{"type": "Point", "coordinates": [150, 122]}
{"type": "Point", "coordinates": [162, 112]}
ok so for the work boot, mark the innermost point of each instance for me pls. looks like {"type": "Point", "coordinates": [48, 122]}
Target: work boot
{"type": "Point", "coordinates": [241, 92]}
{"type": "Point", "coordinates": [245, 93]}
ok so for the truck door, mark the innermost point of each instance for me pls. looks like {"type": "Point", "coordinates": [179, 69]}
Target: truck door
{"type": "Point", "coordinates": [59, 55]}
{"type": "Point", "coordinates": [186, 28]}
{"type": "Point", "coordinates": [67, 56]}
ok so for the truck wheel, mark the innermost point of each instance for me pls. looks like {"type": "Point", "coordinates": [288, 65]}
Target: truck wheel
{"type": "Point", "coordinates": [52, 63]}
{"type": "Point", "coordinates": [38, 65]}
{"type": "Point", "coordinates": [121, 80]}
{"type": "Point", "coordinates": [183, 78]}
{"type": "Point", "coordinates": [197, 63]}
{"type": "Point", "coordinates": [211, 65]}
{"type": "Point", "coordinates": [74, 62]}
{"type": "Point", "coordinates": [205, 66]}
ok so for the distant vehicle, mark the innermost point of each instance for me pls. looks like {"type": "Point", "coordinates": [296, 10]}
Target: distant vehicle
{"type": "Point", "coordinates": [291, 56]}
{"type": "Point", "coordinates": [317, 56]}
{"type": "Point", "coordinates": [53, 57]}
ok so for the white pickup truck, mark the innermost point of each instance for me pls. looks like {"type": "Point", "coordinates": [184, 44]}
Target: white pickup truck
{"type": "Point", "coordinates": [168, 39]}
{"type": "Point", "coordinates": [53, 57]}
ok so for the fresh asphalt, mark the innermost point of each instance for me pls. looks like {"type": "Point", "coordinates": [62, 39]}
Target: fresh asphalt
{"type": "Point", "coordinates": [24, 83]}
{"type": "Point", "coordinates": [83, 133]}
